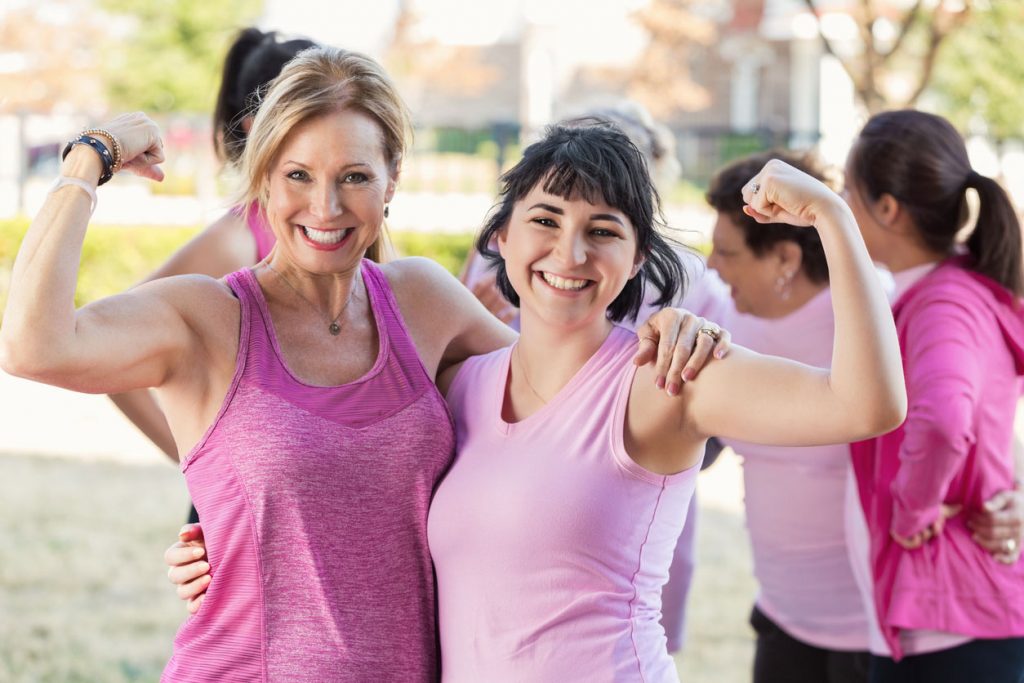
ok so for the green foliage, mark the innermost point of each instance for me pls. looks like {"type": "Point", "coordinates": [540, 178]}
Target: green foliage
{"type": "Point", "coordinates": [450, 250]}
{"type": "Point", "coordinates": [114, 258]}
{"type": "Point", "coordinates": [685, 192]}
{"type": "Point", "coordinates": [980, 71]}
{"type": "Point", "coordinates": [171, 59]}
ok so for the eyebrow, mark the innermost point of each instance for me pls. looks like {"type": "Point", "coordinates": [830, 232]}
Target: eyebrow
{"type": "Point", "coordinates": [343, 168]}
{"type": "Point", "coordinates": [593, 216]}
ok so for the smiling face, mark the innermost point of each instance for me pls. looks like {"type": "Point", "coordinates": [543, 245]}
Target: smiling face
{"type": "Point", "coordinates": [567, 259]}
{"type": "Point", "coordinates": [751, 278]}
{"type": "Point", "coordinates": [326, 191]}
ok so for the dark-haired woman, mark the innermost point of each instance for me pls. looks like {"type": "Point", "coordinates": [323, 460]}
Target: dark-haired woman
{"type": "Point", "coordinates": [553, 531]}
{"type": "Point", "coordinates": [241, 237]}
{"type": "Point", "coordinates": [808, 616]}
{"type": "Point", "coordinates": [948, 611]}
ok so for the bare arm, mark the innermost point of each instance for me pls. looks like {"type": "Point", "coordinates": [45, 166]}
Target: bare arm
{"type": "Point", "coordinates": [775, 401]}
{"type": "Point", "coordinates": [787, 403]}
{"type": "Point", "coordinates": [224, 247]}
{"type": "Point", "coordinates": [141, 408]}
{"type": "Point", "coordinates": [445, 319]}
{"type": "Point", "coordinates": [123, 342]}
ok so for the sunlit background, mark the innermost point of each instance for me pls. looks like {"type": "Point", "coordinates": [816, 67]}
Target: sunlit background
{"type": "Point", "coordinates": [86, 503]}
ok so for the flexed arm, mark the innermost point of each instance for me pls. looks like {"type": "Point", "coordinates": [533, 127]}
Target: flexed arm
{"type": "Point", "coordinates": [123, 342]}
{"type": "Point", "coordinates": [770, 400]}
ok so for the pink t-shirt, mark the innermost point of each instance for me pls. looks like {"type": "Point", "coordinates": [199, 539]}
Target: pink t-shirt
{"type": "Point", "coordinates": [550, 544]}
{"type": "Point", "coordinates": [795, 499]}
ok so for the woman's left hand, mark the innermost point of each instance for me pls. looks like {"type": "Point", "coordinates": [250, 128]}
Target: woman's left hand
{"type": "Point", "coordinates": [679, 344]}
{"type": "Point", "coordinates": [929, 532]}
{"type": "Point", "coordinates": [780, 193]}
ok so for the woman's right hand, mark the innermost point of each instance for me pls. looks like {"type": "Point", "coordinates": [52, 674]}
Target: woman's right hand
{"type": "Point", "coordinates": [189, 570]}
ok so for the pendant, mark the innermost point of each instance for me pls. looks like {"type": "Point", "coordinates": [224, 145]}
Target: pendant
{"type": "Point", "coordinates": [334, 329]}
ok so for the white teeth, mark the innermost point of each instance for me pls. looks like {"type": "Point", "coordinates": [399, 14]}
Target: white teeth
{"type": "Point", "coordinates": [324, 236]}
{"type": "Point", "coordinates": [563, 283]}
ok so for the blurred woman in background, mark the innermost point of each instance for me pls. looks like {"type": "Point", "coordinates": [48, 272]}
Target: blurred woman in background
{"type": "Point", "coordinates": [946, 608]}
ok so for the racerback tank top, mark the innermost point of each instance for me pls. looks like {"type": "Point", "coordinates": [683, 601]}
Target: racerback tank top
{"type": "Point", "coordinates": [314, 506]}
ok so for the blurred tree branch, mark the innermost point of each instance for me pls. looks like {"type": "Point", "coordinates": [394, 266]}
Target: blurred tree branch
{"type": "Point", "coordinates": [876, 63]}
{"type": "Point", "coordinates": [662, 79]}
{"type": "Point", "coordinates": [980, 74]}
{"type": "Point", "coordinates": [457, 70]}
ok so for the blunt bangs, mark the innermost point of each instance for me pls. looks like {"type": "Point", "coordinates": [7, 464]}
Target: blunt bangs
{"type": "Point", "coordinates": [594, 160]}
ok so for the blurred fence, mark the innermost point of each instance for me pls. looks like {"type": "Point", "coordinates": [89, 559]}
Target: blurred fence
{"type": "Point", "coordinates": [445, 161]}
{"type": "Point", "coordinates": [702, 151]}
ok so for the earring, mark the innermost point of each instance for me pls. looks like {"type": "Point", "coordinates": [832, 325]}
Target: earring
{"type": "Point", "coordinates": [782, 286]}
{"type": "Point", "coordinates": [386, 207]}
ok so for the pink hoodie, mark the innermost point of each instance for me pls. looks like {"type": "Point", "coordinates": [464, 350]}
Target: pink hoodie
{"type": "Point", "coordinates": [962, 339]}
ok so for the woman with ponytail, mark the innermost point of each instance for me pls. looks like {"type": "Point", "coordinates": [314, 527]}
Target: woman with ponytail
{"type": "Point", "coordinates": [947, 610]}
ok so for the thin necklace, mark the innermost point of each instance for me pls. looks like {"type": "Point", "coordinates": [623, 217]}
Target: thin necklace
{"type": "Point", "coordinates": [332, 325]}
{"type": "Point", "coordinates": [526, 376]}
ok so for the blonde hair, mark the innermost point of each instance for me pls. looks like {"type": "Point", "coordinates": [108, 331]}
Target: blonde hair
{"type": "Point", "coordinates": [318, 81]}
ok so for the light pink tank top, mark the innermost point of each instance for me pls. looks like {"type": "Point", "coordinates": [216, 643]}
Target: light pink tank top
{"type": "Point", "coordinates": [314, 507]}
{"type": "Point", "coordinates": [550, 544]}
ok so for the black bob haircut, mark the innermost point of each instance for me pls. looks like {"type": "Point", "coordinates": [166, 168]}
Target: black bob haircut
{"type": "Point", "coordinates": [594, 159]}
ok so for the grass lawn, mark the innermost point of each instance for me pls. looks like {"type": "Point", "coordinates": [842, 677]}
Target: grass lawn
{"type": "Point", "coordinates": [84, 596]}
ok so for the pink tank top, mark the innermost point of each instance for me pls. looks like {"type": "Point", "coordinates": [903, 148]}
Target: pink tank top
{"type": "Point", "coordinates": [314, 507]}
{"type": "Point", "coordinates": [253, 217]}
{"type": "Point", "coordinates": [550, 544]}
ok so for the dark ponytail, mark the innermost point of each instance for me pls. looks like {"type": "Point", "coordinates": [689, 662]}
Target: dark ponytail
{"type": "Point", "coordinates": [254, 59]}
{"type": "Point", "coordinates": [995, 243]}
{"type": "Point", "coordinates": [921, 161]}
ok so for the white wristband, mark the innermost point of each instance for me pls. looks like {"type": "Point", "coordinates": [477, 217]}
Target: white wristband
{"type": "Point", "coordinates": [63, 180]}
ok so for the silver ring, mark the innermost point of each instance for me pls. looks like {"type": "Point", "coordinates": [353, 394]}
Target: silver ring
{"type": "Point", "coordinates": [1010, 545]}
{"type": "Point", "coordinates": [755, 188]}
{"type": "Point", "coordinates": [712, 332]}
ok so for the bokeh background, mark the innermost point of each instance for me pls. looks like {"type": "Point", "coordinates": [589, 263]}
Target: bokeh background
{"type": "Point", "coordinates": [87, 505]}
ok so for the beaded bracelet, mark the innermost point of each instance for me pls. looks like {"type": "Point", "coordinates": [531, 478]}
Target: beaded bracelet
{"type": "Point", "coordinates": [100, 148]}
{"type": "Point", "coordinates": [114, 142]}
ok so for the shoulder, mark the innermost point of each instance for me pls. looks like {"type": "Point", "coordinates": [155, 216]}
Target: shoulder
{"type": "Point", "coordinates": [232, 233]}
{"type": "Point", "coordinates": [416, 271]}
{"type": "Point", "coordinates": [949, 291]}
{"type": "Point", "coordinates": [420, 283]}
{"type": "Point", "coordinates": [222, 247]}
{"type": "Point", "coordinates": [201, 300]}
{"type": "Point", "coordinates": [486, 366]}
